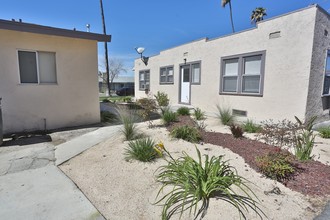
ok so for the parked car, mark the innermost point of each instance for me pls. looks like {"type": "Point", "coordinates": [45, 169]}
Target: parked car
{"type": "Point", "coordinates": [125, 91]}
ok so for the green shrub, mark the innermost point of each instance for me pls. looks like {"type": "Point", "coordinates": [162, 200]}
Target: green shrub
{"type": "Point", "coordinates": [250, 127]}
{"type": "Point", "coordinates": [183, 111]}
{"type": "Point", "coordinates": [276, 165]}
{"type": "Point", "coordinates": [193, 182]}
{"type": "Point", "coordinates": [127, 99]}
{"type": "Point", "coordinates": [142, 150]}
{"type": "Point", "coordinates": [199, 114]}
{"type": "Point", "coordinates": [169, 116]}
{"type": "Point", "coordinates": [105, 100]}
{"type": "Point", "coordinates": [187, 133]}
{"type": "Point", "coordinates": [108, 117]}
{"type": "Point", "coordinates": [162, 99]}
{"type": "Point", "coordinates": [324, 132]}
{"type": "Point", "coordinates": [236, 131]}
{"type": "Point", "coordinates": [225, 115]}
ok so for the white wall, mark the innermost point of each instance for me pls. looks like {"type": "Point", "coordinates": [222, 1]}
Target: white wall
{"type": "Point", "coordinates": [287, 67]}
{"type": "Point", "coordinates": [72, 101]}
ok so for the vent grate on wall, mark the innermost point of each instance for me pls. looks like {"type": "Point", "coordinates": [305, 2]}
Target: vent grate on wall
{"type": "Point", "coordinates": [275, 34]}
{"type": "Point", "coordinates": [239, 112]}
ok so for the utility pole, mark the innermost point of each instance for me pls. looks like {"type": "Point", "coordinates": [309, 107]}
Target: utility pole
{"type": "Point", "coordinates": [105, 49]}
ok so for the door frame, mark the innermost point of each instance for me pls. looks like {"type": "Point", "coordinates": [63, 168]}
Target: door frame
{"type": "Point", "coordinates": [180, 83]}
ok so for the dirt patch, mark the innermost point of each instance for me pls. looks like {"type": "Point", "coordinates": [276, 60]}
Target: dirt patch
{"type": "Point", "coordinates": [312, 179]}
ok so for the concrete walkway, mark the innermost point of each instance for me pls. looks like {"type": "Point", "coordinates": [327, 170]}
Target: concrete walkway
{"type": "Point", "coordinates": [33, 190]}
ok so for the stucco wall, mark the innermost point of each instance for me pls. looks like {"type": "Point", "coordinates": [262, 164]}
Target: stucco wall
{"type": "Point", "coordinates": [72, 101]}
{"type": "Point", "coordinates": [287, 67]}
{"type": "Point", "coordinates": [321, 45]}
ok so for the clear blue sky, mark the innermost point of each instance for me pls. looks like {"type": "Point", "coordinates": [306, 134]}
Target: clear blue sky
{"type": "Point", "coordinates": [153, 24]}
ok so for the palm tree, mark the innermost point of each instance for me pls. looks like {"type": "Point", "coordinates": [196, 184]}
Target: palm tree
{"type": "Point", "coordinates": [105, 49]}
{"type": "Point", "coordinates": [258, 15]}
{"type": "Point", "coordinates": [223, 4]}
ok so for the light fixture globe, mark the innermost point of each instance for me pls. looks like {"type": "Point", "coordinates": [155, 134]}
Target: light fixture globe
{"type": "Point", "coordinates": [144, 59]}
{"type": "Point", "coordinates": [140, 50]}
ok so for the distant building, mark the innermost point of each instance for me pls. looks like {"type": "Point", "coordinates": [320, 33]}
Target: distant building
{"type": "Point", "coordinates": [48, 77]}
{"type": "Point", "coordinates": [277, 70]}
{"type": "Point", "coordinates": [118, 82]}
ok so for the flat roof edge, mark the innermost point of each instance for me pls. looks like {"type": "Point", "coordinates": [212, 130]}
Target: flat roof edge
{"type": "Point", "coordinates": [46, 30]}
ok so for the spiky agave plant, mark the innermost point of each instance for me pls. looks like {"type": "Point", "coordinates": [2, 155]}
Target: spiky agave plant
{"type": "Point", "coordinates": [194, 182]}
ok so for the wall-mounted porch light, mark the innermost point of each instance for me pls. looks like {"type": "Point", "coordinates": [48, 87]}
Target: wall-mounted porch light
{"type": "Point", "coordinates": [144, 59]}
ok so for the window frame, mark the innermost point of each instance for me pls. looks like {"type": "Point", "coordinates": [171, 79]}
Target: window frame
{"type": "Point", "coordinates": [325, 74]}
{"type": "Point", "coordinates": [144, 80]}
{"type": "Point", "coordinates": [192, 75]}
{"type": "Point", "coordinates": [166, 75]}
{"type": "Point", "coordinates": [36, 52]}
{"type": "Point", "coordinates": [241, 73]}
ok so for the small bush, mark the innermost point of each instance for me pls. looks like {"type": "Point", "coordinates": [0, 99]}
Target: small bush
{"type": "Point", "coordinates": [225, 116]}
{"type": "Point", "coordinates": [142, 150]}
{"type": "Point", "coordinates": [281, 133]}
{"type": "Point", "coordinates": [162, 99]}
{"type": "Point", "coordinates": [250, 127]}
{"type": "Point", "coordinates": [187, 133]}
{"type": "Point", "coordinates": [149, 106]}
{"type": "Point", "coordinates": [199, 114]}
{"type": "Point", "coordinates": [236, 130]}
{"type": "Point", "coordinates": [324, 132]}
{"type": "Point", "coordinates": [169, 116]}
{"type": "Point", "coordinates": [276, 165]}
{"type": "Point", "coordinates": [108, 117]}
{"type": "Point", "coordinates": [191, 182]}
{"type": "Point", "coordinates": [183, 111]}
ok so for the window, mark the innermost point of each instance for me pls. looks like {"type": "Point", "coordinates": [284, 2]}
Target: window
{"type": "Point", "coordinates": [144, 80]}
{"type": "Point", "coordinates": [37, 67]}
{"type": "Point", "coordinates": [243, 74]}
{"type": "Point", "coordinates": [166, 75]}
{"type": "Point", "coordinates": [196, 73]}
{"type": "Point", "coordinates": [326, 85]}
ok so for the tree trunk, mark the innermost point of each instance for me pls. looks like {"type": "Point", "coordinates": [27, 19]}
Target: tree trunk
{"type": "Point", "coordinates": [231, 17]}
{"type": "Point", "coordinates": [105, 49]}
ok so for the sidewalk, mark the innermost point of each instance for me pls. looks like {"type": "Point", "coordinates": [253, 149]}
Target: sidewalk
{"type": "Point", "coordinates": [46, 192]}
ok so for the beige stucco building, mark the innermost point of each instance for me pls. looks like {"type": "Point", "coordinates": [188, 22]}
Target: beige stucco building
{"type": "Point", "coordinates": [48, 77]}
{"type": "Point", "coordinates": [274, 71]}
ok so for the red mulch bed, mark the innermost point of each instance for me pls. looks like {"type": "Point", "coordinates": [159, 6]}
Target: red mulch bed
{"type": "Point", "coordinates": [312, 179]}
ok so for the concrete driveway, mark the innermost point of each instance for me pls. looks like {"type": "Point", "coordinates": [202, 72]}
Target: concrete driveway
{"type": "Point", "coordinates": [31, 185]}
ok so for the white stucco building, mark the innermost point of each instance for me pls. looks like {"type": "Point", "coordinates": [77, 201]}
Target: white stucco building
{"type": "Point", "coordinates": [48, 77]}
{"type": "Point", "coordinates": [276, 70]}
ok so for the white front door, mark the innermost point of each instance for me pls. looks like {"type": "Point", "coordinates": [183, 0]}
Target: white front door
{"type": "Point", "coordinates": [185, 84]}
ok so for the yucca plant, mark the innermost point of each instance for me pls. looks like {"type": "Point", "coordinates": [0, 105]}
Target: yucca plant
{"type": "Point", "coordinates": [225, 115]}
{"type": "Point", "coordinates": [193, 182]}
{"type": "Point", "coordinates": [199, 114]}
{"type": "Point", "coordinates": [250, 127]}
{"type": "Point", "coordinates": [305, 139]}
{"type": "Point", "coordinates": [304, 145]}
{"type": "Point", "coordinates": [183, 111]}
{"type": "Point", "coordinates": [142, 150]}
{"type": "Point", "coordinates": [169, 116]}
{"type": "Point", "coordinates": [187, 133]}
